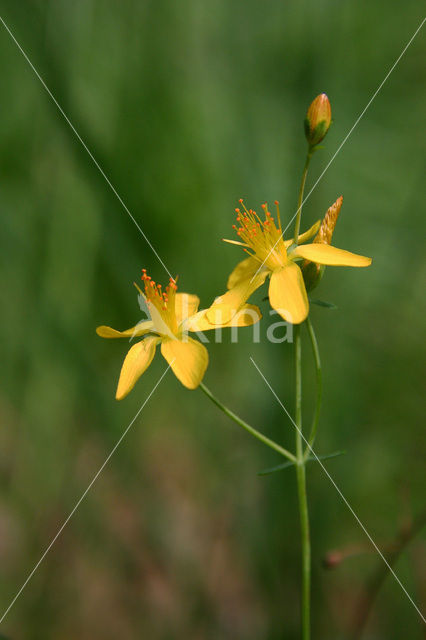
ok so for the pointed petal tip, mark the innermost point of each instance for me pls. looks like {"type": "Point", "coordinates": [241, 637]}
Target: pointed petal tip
{"type": "Point", "coordinates": [104, 331]}
{"type": "Point", "coordinates": [326, 254]}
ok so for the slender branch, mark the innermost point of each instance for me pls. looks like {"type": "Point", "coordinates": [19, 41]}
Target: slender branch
{"type": "Point", "coordinates": [318, 399]}
{"type": "Point", "coordinates": [367, 602]}
{"type": "Point", "coordinates": [298, 392]}
{"type": "Point", "coordinates": [302, 495]}
{"type": "Point", "coordinates": [269, 443]}
{"type": "Point", "coordinates": [300, 198]}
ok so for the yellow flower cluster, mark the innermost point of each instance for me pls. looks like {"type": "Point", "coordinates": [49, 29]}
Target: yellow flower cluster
{"type": "Point", "coordinates": [292, 269]}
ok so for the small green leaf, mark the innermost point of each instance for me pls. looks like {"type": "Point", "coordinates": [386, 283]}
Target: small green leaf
{"type": "Point", "coordinates": [280, 467]}
{"type": "Point", "coordinates": [326, 456]}
{"type": "Point", "coordinates": [323, 303]}
{"type": "Point", "coordinates": [286, 465]}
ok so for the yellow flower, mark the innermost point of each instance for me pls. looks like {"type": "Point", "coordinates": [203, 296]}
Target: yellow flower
{"type": "Point", "coordinates": [172, 316]}
{"type": "Point", "coordinates": [271, 255]}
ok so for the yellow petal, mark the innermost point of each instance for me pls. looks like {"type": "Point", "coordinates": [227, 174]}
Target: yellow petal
{"type": "Point", "coordinates": [248, 314]}
{"type": "Point", "coordinates": [244, 269]}
{"type": "Point", "coordinates": [307, 235]}
{"type": "Point", "coordinates": [287, 294]}
{"type": "Point", "coordinates": [325, 254]}
{"type": "Point", "coordinates": [188, 360]}
{"type": "Point", "coordinates": [227, 305]}
{"type": "Point", "coordinates": [135, 363]}
{"type": "Point", "coordinates": [160, 325]}
{"type": "Point", "coordinates": [186, 304]}
{"type": "Point", "coordinates": [139, 330]}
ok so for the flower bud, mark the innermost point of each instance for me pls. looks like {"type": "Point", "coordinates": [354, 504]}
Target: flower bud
{"type": "Point", "coordinates": [325, 232]}
{"type": "Point", "coordinates": [332, 559]}
{"type": "Point", "coordinates": [318, 120]}
{"type": "Point", "coordinates": [313, 272]}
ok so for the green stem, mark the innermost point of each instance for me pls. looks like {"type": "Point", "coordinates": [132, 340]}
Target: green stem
{"type": "Point", "coordinates": [318, 400]}
{"type": "Point", "coordinates": [301, 491]}
{"type": "Point", "coordinates": [269, 443]}
{"type": "Point", "coordinates": [300, 199]}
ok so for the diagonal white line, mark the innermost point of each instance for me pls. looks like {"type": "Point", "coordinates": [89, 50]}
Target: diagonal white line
{"type": "Point", "coordinates": [95, 162]}
{"type": "Point", "coordinates": [333, 157]}
{"type": "Point", "coordinates": [80, 500]}
{"type": "Point", "coordinates": [342, 496]}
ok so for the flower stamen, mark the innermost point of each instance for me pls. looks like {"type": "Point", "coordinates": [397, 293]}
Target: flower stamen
{"type": "Point", "coordinates": [162, 301]}
{"type": "Point", "coordinates": [263, 237]}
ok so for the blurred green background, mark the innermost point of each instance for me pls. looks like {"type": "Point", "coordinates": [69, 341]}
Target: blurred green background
{"type": "Point", "coordinates": [188, 106]}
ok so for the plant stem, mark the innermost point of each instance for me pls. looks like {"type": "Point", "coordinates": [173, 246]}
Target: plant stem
{"type": "Point", "coordinates": [301, 490]}
{"type": "Point", "coordinates": [301, 191]}
{"type": "Point", "coordinates": [318, 400]}
{"type": "Point", "coordinates": [269, 443]}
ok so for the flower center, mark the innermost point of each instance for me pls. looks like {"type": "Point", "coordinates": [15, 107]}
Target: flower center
{"type": "Point", "coordinates": [262, 237]}
{"type": "Point", "coordinates": [161, 304]}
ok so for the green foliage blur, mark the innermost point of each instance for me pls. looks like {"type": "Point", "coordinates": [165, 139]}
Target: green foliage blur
{"type": "Point", "coordinates": [188, 106]}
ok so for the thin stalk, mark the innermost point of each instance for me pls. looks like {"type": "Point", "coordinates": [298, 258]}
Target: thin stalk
{"type": "Point", "coordinates": [301, 192]}
{"type": "Point", "coordinates": [301, 491]}
{"type": "Point", "coordinates": [269, 443]}
{"type": "Point", "coordinates": [318, 399]}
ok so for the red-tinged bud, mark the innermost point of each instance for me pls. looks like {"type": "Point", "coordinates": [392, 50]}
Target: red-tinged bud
{"type": "Point", "coordinates": [313, 272]}
{"type": "Point", "coordinates": [325, 232]}
{"type": "Point", "coordinates": [318, 120]}
{"type": "Point", "coordinates": [332, 559]}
